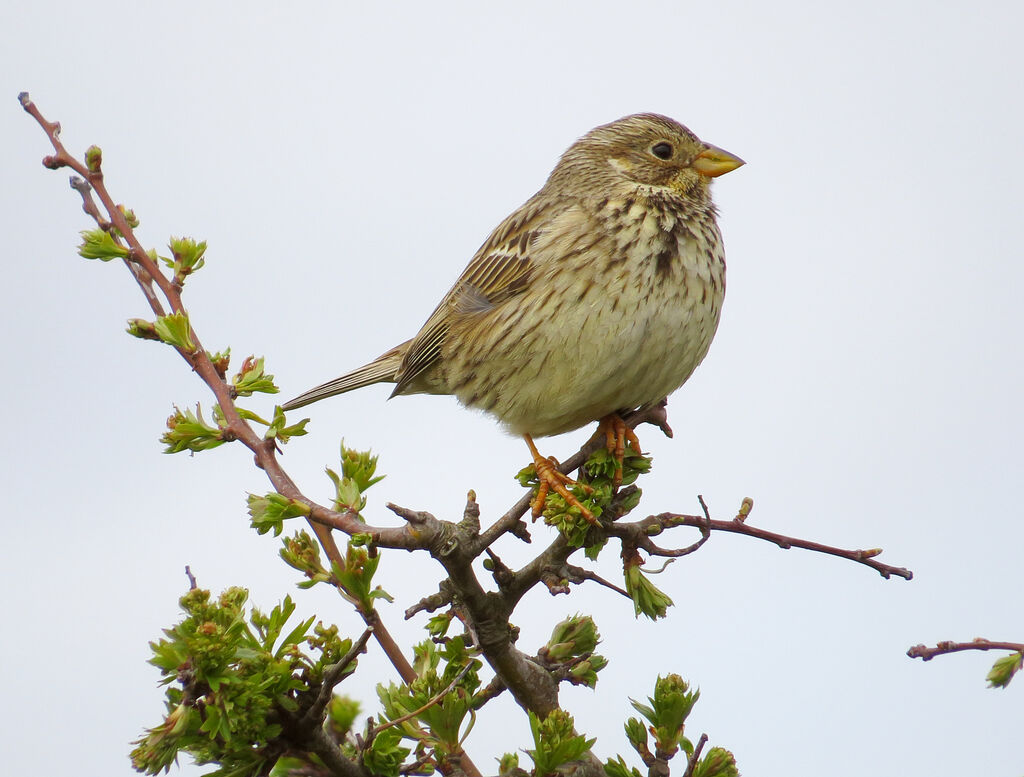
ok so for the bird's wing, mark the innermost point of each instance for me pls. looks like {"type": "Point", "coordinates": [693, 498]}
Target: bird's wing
{"type": "Point", "coordinates": [499, 270]}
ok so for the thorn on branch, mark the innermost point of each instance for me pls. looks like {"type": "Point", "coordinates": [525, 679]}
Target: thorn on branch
{"type": "Point", "coordinates": [471, 515]}
{"type": "Point", "coordinates": [521, 530]}
{"type": "Point", "coordinates": [499, 571]}
{"type": "Point", "coordinates": [415, 517]}
{"type": "Point", "coordinates": [655, 415]}
{"type": "Point", "coordinates": [704, 507]}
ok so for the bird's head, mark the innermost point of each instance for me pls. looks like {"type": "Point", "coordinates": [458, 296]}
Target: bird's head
{"type": "Point", "coordinates": [643, 151]}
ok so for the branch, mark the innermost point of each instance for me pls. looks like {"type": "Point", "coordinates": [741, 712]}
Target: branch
{"type": "Point", "coordinates": [314, 716]}
{"type": "Point", "coordinates": [147, 272]}
{"type": "Point", "coordinates": [640, 533]}
{"type": "Point", "coordinates": [691, 762]}
{"type": "Point", "coordinates": [652, 414]}
{"type": "Point", "coordinates": [943, 648]}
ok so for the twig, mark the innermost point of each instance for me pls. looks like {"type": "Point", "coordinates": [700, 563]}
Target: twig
{"type": "Point", "coordinates": [493, 689]}
{"type": "Point", "coordinates": [434, 700]}
{"type": "Point", "coordinates": [315, 714]}
{"type": "Point", "coordinates": [579, 574]}
{"type": "Point", "coordinates": [639, 532]}
{"type": "Point", "coordinates": [145, 269]}
{"type": "Point", "coordinates": [691, 762]}
{"type": "Point", "coordinates": [942, 648]}
{"type": "Point", "coordinates": [191, 578]}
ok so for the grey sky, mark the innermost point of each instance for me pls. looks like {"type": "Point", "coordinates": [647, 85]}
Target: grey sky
{"type": "Point", "coordinates": [345, 160]}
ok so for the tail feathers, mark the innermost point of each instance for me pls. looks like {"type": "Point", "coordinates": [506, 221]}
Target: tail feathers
{"type": "Point", "coordinates": [380, 370]}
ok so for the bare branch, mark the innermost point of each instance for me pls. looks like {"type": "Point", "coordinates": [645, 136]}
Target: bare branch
{"type": "Point", "coordinates": [640, 532]}
{"type": "Point", "coordinates": [943, 648]}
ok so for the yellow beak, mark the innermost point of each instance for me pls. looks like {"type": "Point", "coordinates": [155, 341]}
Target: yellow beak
{"type": "Point", "coordinates": [714, 161]}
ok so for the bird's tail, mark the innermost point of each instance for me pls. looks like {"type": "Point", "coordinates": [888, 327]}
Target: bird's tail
{"type": "Point", "coordinates": [380, 370]}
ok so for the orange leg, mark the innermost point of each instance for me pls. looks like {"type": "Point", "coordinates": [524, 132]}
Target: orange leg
{"type": "Point", "coordinates": [616, 434]}
{"type": "Point", "coordinates": [552, 480]}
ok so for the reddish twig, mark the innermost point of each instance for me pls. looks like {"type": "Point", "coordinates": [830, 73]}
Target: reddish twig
{"type": "Point", "coordinates": [942, 648]}
{"type": "Point", "coordinates": [691, 762]}
{"type": "Point", "coordinates": [640, 533]}
{"type": "Point", "coordinates": [146, 271]}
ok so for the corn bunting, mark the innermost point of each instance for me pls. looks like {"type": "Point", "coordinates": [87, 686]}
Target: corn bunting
{"type": "Point", "coordinates": [601, 294]}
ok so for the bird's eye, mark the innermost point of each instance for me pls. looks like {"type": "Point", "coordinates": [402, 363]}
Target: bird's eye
{"type": "Point", "coordinates": [662, 150]}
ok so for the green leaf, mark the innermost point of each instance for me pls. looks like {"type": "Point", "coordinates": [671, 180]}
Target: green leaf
{"type": "Point", "coordinates": [718, 762]}
{"type": "Point", "coordinates": [358, 473]}
{"type": "Point", "coordinates": [555, 742]}
{"type": "Point", "coordinates": [144, 330]}
{"type": "Point", "coordinates": [356, 577]}
{"type": "Point", "coordinates": [1004, 669]}
{"type": "Point", "coordinates": [636, 733]}
{"type": "Point", "coordinates": [93, 158]}
{"type": "Point", "coordinates": [187, 257]}
{"type": "Point", "coordinates": [385, 756]}
{"type": "Point", "coordinates": [508, 765]}
{"type": "Point", "coordinates": [248, 415]}
{"type": "Point", "coordinates": [575, 636]}
{"type": "Point", "coordinates": [619, 768]}
{"type": "Point", "coordinates": [99, 244]}
{"type": "Point", "coordinates": [174, 329]}
{"type": "Point", "coordinates": [270, 511]}
{"type": "Point", "coordinates": [251, 378]}
{"type": "Point", "coordinates": [342, 713]}
{"type": "Point", "coordinates": [669, 707]}
{"type": "Point", "coordinates": [188, 431]}
{"type": "Point", "coordinates": [647, 598]}
{"type": "Point", "coordinates": [220, 361]}
{"type": "Point", "coordinates": [280, 431]}
{"type": "Point", "coordinates": [302, 552]}
{"type": "Point", "coordinates": [216, 660]}
{"type": "Point", "coordinates": [129, 216]}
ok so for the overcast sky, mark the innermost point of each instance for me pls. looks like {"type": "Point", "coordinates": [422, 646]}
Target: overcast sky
{"type": "Point", "coordinates": [345, 160]}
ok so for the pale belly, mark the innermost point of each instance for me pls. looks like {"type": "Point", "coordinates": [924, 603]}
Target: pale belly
{"type": "Point", "coordinates": [544, 367]}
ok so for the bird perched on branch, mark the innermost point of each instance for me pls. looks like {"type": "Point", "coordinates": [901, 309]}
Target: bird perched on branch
{"type": "Point", "coordinates": [600, 295]}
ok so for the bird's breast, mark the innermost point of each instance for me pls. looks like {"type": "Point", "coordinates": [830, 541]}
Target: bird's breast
{"type": "Point", "coordinates": [621, 309]}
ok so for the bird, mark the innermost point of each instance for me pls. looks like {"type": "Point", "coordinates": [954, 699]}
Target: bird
{"type": "Point", "coordinates": [599, 295]}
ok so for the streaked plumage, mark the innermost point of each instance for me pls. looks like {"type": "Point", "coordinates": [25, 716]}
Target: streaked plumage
{"type": "Point", "coordinates": [599, 295]}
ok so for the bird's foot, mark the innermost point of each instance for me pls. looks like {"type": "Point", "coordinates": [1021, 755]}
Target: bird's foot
{"type": "Point", "coordinates": [617, 434]}
{"type": "Point", "coordinates": [551, 479]}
